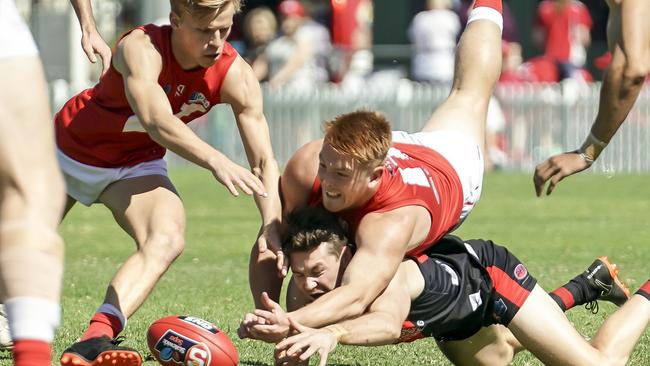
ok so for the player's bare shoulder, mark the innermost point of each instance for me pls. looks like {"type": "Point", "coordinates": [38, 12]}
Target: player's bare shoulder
{"type": "Point", "coordinates": [136, 51]}
{"type": "Point", "coordinates": [240, 86]}
{"type": "Point", "coordinates": [299, 175]}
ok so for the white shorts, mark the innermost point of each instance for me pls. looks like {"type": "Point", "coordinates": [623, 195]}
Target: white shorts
{"type": "Point", "coordinates": [15, 37]}
{"type": "Point", "coordinates": [85, 183]}
{"type": "Point", "coordinates": [462, 152]}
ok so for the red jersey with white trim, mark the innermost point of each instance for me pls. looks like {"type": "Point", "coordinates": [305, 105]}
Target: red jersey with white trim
{"type": "Point", "coordinates": [413, 175]}
{"type": "Point", "coordinates": [98, 126]}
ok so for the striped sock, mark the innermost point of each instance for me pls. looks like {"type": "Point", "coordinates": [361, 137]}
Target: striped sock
{"type": "Point", "coordinates": [574, 293]}
{"type": "Point", "coordinates": [645, 290]}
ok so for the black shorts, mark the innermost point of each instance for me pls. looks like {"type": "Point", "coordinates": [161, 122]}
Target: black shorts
{"type": "Point", "coordinates": [493, 285]}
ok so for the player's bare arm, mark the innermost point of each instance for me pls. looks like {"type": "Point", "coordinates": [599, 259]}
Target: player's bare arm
{"type": "Point", "coordinates": [242, 91]}
{"type": "Point", "coordinates": [299, 175]}
{"type": "Point", "coordinates": [381, 325]}
{"type": "Point", "coordinates": [91, 41]}
{"type": "Point", "coordinates": [382, 240]}
{"type": "Point", "coordinates": [140, 64]}
{"type": "Point", "coordinates": [629, 43]}
{"type": "Point", "coordinates": [295, 186]}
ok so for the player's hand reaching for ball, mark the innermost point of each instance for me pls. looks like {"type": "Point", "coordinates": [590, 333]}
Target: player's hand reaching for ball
{"type": "Point", "coordinates": [556, 168]}
{"type": "Point", "coordinates": [304, 344]}
{"type": "Point", "coordinates": [234, 176]}
{"type": "Point", "coordinates": [271, 325]}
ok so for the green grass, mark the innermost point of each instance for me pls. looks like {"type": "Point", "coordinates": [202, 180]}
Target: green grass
{"type": "Point", "coordinates": [556, 237]}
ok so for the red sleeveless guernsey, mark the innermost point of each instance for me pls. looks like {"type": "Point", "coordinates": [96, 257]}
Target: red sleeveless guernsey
{"type": "Point", "coordinates": [98, 127]}
{"type": "Point", "coordinates": [413, 175]}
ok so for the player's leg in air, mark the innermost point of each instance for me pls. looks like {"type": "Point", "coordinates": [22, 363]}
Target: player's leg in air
{"type": "Point", "coordinates": [457, 127]}
{"type": "Point", "coordinates": [31, 196]}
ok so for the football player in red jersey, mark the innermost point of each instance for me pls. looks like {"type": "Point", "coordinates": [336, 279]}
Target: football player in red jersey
{"type": "Point", "coordinates": [456, 293]}
{"type": "Point", "coordinates": [399, 192]}
{"type": "Point", "coordinates": [31, 188]}
{"type": "Point", "coordinates": [111, 140]}
{"type": "Point", "coordinates": [628, 37]}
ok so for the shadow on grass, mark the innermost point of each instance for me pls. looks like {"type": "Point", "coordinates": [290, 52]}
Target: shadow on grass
{"type": "Point", "coordinates": [5, 355]}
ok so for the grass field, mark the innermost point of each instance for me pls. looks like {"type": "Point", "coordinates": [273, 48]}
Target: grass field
{"type": "Point", "coordinates": [556, 237]}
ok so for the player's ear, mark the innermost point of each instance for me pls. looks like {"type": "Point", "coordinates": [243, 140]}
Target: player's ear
{"type": "Point", "coordinates": [174, 20]}
{"type": "Point", "coordinates": [376, 173]}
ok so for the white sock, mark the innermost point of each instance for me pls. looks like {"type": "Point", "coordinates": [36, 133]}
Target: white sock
{"type": "Point", "coordinates": [486, 13]}
{"type": "Point", "coordinates": [33, 318]}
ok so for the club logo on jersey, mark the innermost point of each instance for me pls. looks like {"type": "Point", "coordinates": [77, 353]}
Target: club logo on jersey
{"type": "Point", "coordinates": [167, 88]}
{"type": "Point", "coordinates": [179, 90]}
{"type": "Point", "coordinates": [176, 348]}
{"type": "Point", "coordinates": [203, 324]}
{"type": "Point", "coordinates": [500, 309]}
{"type": "Point", "coordinates": [197, 103]}
{"type": "Point", "coordinates": [520, 272]}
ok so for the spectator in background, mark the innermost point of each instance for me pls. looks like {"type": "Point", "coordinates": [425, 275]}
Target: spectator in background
{"type": "Point", "coordinates": [358, 66]}
{"type": "Point", "coordinates": [260, 28]}
{"type": "Point", "coordinates": [298, 58]}
{"type": "Point", "coordinates": [433, 34]}
{"type": "Point", "coordinates": [563, 27]}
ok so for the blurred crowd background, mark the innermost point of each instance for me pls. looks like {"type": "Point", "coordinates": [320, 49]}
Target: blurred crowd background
{"type": "Point", "coordinates": [318, 58]}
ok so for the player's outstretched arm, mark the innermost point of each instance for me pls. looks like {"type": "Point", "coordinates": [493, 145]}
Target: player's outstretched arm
{"type": "Point", "coordinates": [242, 91]}
{"type": "Point", "coordinates": [629, 42]}
{"type": "Point", "coordinates": [140, 64]}
{"type": "Point", "coordinates": [91, 41]}
{"type": "Point", "coordinates": [382, 240]}
{"type": "Point", "coordinates": [381, 325]}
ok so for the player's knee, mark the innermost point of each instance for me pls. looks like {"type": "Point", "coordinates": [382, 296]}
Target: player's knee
{"type": "Point", "coordinates": [165, 246]}
{"type": "Point", "coordinates": [635, 71]}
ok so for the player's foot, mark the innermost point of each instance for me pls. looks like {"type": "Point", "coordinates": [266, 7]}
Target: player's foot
{"type": "Point", "coordinates": [603, 277]}
{"type": "Point", "coordinates": [100, 351]}
{"type": "Point", "coordinates": [6, 343]}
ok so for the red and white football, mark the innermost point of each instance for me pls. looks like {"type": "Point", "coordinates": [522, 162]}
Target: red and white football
{"type": "Point", "coordinates": [191, 341]}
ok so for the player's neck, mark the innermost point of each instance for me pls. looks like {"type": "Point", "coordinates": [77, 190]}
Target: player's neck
{"type": "Point", "coordinates": [185, 62]}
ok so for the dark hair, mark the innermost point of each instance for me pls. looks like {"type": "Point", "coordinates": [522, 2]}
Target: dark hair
{"type": "Point", "coordinates": [309, 227]}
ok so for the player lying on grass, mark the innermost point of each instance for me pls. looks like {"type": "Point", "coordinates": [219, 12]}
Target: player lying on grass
{"type": "Point", "coordinates": [458, 293]}
{"type": "Point", "coordinates": [399, 192]}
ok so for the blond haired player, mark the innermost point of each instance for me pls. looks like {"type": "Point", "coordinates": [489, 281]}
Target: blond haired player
{"type": "Point", "coordinates": [31, 189]}
{"type": "Point", "coordinates": [111, 140]}
{"type": "Point", "coordinates": [628, 37]}
{"type": "Point", "coordinates": [399, 192]}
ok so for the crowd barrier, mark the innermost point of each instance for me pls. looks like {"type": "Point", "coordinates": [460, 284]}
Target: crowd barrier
{"type": "Point", "coordinates": [530, 121]}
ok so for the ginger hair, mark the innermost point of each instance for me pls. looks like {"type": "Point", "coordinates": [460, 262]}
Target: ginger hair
{"type": "Point", "coordinates": [363, 135]}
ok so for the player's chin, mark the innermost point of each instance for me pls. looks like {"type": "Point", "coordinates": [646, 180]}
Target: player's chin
{"type": "Point", "coordinates": [333, 205]}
